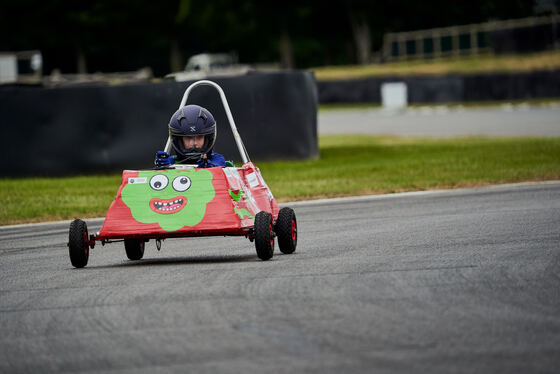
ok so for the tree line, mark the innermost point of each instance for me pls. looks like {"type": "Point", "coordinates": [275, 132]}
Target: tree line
{"type": "Point", "coordinates": [125, 35]}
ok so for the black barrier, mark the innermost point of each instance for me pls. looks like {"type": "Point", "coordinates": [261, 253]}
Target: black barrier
{"type": "Point", "coordinates": [434, 89]}
{"type": "Point", "coordinates": [350, 91]}
{"type": "Point", "coordinates": [446, 89]}
{"type": "Point", "coordinates": [78, 130]}
{"type": "Point", "coordinates": [541, 84]}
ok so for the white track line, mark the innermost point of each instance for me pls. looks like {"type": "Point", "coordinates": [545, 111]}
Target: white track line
{"type": "Point", "coordinates": [418, 193]}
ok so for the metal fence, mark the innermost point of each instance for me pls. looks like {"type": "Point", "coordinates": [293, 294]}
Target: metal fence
{"type": "Point", "coordinates": [466, 39]}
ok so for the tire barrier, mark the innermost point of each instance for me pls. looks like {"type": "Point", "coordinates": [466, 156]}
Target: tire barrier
{"type": "Point", "coordinates": [445, 89]}
{"type": "Point", "coordinates": [82, 130]}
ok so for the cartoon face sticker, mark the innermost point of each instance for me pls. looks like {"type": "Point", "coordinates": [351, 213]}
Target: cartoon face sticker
{"type": "Point", "coordinates": [172, 198]}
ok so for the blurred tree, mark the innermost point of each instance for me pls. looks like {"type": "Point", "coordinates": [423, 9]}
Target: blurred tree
{"type": "Point", "coordinates": [123, 35]}
{"type": "Point", "coordinates": [175, 58]}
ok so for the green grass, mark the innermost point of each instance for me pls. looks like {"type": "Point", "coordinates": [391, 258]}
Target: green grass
{"type": "Point", "coordinates": [488, 63]}
{"type": "Point", "coordinates": [356, 165]}
{"type": "Point", "coordinates": [348, 165]}
{"type": "Point", "coordinates": [47, 199]}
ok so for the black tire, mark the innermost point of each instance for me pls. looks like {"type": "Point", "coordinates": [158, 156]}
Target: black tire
{"type": "Point", "coordinates": [78, 248]}
{"type": "Point", "coordinates": [264, 235]}
{"type": "Point", "coordinates": [134, 248]}
{"type": "Point", "coordinates": [286, 230]}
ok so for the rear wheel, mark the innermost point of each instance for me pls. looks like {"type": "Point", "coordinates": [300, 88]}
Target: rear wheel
{"type": "Point", "coordinates": [134, 248]}
{"type": "Point", "coordinates": [78, 248]}
{"type": "Point", "coordinates": [286, 230]}
{"type": "Point", "coordinates": [264, 236]}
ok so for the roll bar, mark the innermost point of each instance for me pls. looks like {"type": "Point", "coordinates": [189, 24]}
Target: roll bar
{"type": "Point", "coordinates": [238, 141]}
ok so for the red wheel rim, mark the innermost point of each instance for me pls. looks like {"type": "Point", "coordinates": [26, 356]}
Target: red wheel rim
{"type": "Point", "coordinates": [294, 231]}
{"type": "Point", "coordinates": [85, 242]}
{"type": "Point", "coordinates": [271, 237]}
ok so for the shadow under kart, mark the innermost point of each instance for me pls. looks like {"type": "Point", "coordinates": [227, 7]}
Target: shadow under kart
{"type": "Point", "coordinates": [186, 201]}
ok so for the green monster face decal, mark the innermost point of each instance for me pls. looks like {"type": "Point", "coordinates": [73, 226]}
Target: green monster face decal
{"type": "Point", "coordinates": [172, 198]}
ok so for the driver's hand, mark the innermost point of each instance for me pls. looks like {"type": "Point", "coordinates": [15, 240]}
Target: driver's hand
{"type": "Point", "coordinates": [163, 160]}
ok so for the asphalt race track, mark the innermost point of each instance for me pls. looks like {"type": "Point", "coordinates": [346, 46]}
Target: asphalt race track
{"type": "Point", "coordinates": [437, 282]}
{"type": "Point", "coordinates": [443, 121]}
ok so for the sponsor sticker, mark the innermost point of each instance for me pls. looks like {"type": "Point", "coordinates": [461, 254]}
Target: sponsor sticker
{"type": "Point", "coordinates": [252, 180]}
{"type": "Point", "coordinates": [137, 180]}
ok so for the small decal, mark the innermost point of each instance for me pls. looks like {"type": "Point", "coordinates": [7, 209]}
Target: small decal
{"type": "Point", "coordinates": [252, 180]}
{"type": "Point", "coordinates": [236, 196]}
{"type": "Point", "coordinates": [137, 180]}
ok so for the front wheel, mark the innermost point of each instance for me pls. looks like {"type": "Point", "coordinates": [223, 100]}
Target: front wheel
{"type": "Point", "coordinates": [286, 230]}
{"type": "Point", "coordinates": [134, 248]}
{"type": "Point", "coordinates": [78, 248]}
{"type": "Point", "coordinates": [264, 236]}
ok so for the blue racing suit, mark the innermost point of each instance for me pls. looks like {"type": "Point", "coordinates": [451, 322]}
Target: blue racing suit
{"type": "Point", "coordinates": [213, 159]}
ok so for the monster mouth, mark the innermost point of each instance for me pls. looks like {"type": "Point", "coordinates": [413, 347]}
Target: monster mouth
{"type": "Point", "coordinates": [169, 206]}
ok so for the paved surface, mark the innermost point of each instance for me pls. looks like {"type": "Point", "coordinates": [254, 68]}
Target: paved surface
{"type": "Point", "coordinates": [453, 281]}
{"type": "Point", "coordinates": [441, 121]}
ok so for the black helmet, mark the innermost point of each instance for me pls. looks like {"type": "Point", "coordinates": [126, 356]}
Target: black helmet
{"type": "Point", "coordinates": [192, 120]}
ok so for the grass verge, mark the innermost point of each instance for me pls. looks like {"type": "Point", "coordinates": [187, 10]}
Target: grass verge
{"type": "Point", "coordinates": [348, 165]}
{"type": "Point", "coordinates": [489, 63]}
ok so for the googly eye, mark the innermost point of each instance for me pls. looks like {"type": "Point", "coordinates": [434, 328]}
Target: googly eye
{"type": "Point", "coordinates": [181, 183]}
{"type": "Point", "coordinates": [158, 182]}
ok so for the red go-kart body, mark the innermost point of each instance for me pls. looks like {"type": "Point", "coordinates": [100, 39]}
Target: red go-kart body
{"type": "Point", "coordinates": [184, 200]}
{"type": "Point", "coordinates": [219, 201]}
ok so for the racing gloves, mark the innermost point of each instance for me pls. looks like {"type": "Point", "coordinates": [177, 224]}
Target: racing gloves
{"type": "Point", "coordinates": [163, 160]}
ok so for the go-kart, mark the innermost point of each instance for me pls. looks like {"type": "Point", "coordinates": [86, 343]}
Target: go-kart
{"type": "Point", "coordinates": [186, 201]}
